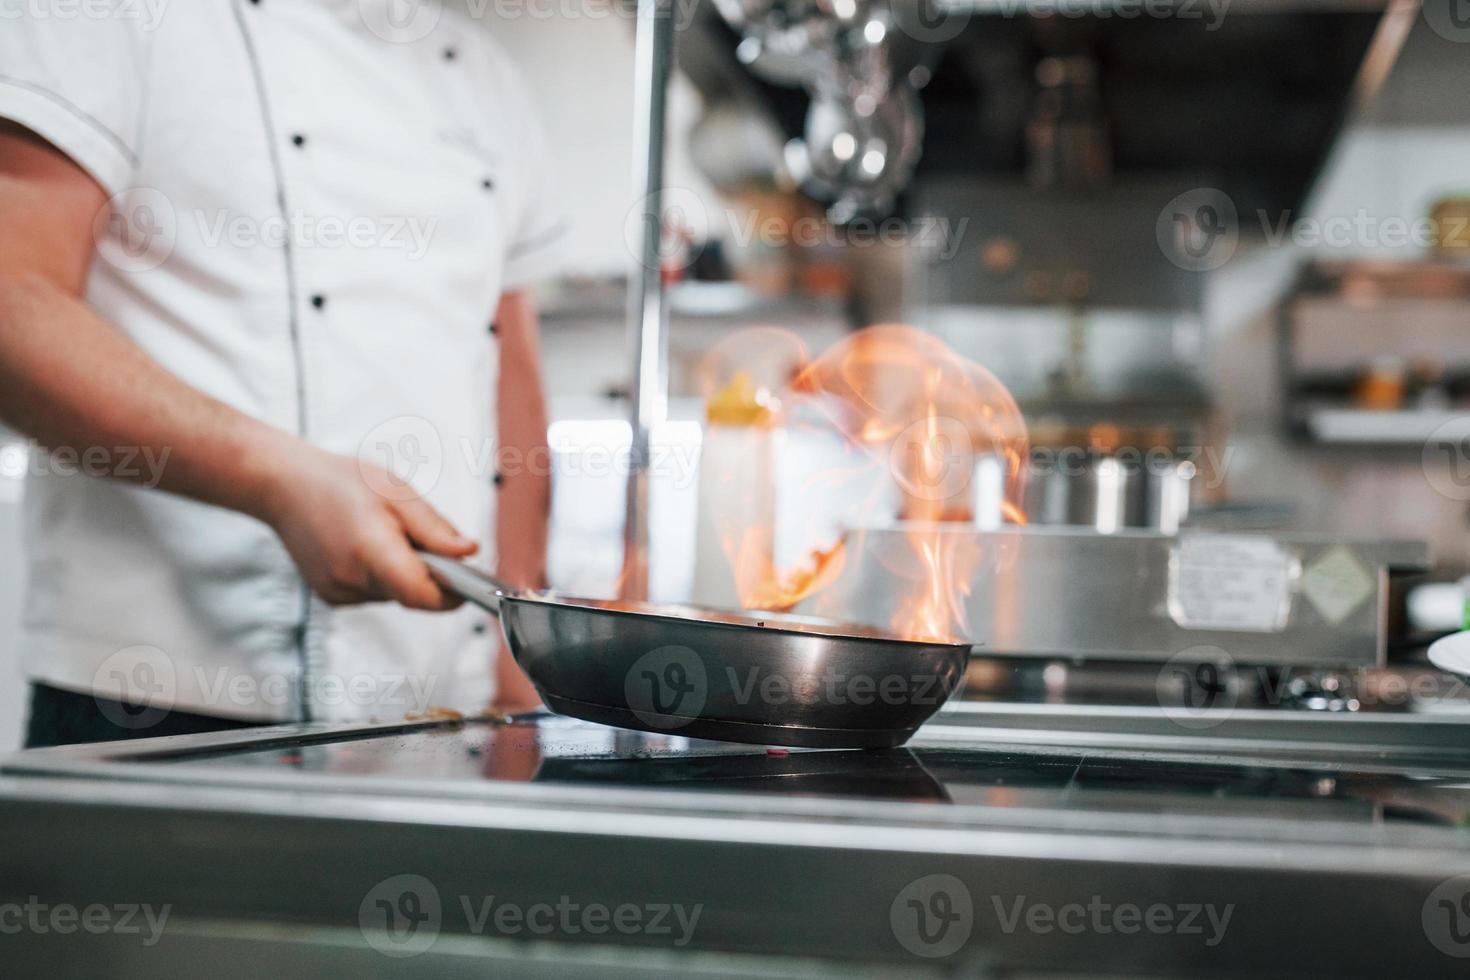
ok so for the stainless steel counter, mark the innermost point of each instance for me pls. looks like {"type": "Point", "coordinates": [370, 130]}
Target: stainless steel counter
{"type": "Point", "coordinates": [1055, 836]}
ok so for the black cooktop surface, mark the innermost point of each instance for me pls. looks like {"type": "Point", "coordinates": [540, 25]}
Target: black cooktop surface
{"type": "Point", "coordinates": [951, 771]}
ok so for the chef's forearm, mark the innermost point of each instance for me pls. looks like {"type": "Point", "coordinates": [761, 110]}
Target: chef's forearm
{"type": "Point", "coordinates": [71, 380]}
{"type": "Point", "coordinates": [524, 497]}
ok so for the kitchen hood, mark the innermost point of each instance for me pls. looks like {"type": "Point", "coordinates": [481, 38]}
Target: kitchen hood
{"type": "Point", "coordinates": [1250, 93]}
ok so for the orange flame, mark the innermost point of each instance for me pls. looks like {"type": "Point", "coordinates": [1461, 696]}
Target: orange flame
{"type": "Point", "coordinates": [761, 585]}
{"type": "Point", "coordinates": [923, 418]}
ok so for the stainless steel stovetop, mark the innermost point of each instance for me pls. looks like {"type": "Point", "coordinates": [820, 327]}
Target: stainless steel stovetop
{"type": "Point", "coordinates": [1338, 839]}
{"type": "Point", "coordinates": [946, 765]}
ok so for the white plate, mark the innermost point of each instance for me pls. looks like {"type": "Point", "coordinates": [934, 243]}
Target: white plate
{"type": "Point", "coordinates": [1452, 653]}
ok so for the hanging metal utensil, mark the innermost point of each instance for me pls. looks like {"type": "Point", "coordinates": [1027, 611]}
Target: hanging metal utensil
{"type": "Point", "coordinates": [862, 61]}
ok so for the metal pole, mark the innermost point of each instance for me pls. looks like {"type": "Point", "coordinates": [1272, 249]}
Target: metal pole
{"type": "Point", "coordinates": [647, 317]}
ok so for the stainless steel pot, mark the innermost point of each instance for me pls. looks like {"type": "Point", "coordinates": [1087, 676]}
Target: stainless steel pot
{"type": "Point", "coordinates": [1106, 492]}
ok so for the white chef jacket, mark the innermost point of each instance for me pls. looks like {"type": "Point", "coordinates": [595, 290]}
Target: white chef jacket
{"type": "Point", "coordinates": [316, 207]}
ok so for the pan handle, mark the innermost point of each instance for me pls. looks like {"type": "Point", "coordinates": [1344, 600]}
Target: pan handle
{"type": "Point", "coordinates": [471, 583]}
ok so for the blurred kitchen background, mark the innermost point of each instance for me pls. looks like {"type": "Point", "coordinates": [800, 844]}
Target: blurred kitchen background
{"type": "Point", "coordinates": [1191, 236]}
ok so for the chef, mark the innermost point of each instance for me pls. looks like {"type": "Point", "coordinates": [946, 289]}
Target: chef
{"type": "Point", "coordinates": [265, 314]}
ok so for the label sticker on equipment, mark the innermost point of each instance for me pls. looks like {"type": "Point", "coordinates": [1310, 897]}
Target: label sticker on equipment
{"type": "Point", "coordinates": [1337, 584]}
{"type": "Point", "coordinates": [1227, 582]}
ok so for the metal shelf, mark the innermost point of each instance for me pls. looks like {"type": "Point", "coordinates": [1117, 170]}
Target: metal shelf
{"type": "Point", "coordinates": [1362, 427]}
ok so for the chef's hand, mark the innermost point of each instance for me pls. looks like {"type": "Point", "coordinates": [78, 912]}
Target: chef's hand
{"type": "Point", "coordinates": [70, 379]}
{"type": "Point", "coordinates": [352, 528]}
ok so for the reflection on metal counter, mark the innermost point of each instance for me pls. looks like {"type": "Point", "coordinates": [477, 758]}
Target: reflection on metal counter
{"type": "Point", "coordinates": [1282, 825]}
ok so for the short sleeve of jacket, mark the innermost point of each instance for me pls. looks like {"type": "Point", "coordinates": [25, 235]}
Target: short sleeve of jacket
{"type": "Point", "coordinates": [78, 82]}
{"type": "Point", "coordinates": [537, 236]}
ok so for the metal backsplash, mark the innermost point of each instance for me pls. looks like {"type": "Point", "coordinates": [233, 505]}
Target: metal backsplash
{"type": "Point", "coordinates": [1297, 600]}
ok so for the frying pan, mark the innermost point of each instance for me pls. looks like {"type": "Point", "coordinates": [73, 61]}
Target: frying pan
{"type": "Point", "coordinates": [767, 679]}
